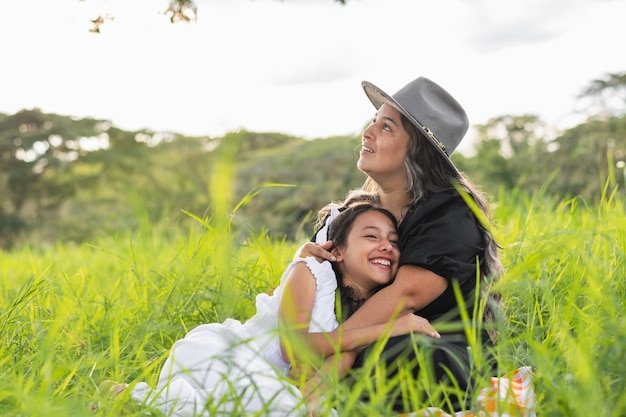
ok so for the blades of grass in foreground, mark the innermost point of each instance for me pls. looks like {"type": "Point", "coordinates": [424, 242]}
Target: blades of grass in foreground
{"type": "Point", "coordinates": [72, 316]}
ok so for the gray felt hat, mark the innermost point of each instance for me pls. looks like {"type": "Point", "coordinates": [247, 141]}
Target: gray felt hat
{"type": "Point", "coordinates": [430, 108]}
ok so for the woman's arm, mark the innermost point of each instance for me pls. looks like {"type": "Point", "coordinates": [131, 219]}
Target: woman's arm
{"type": "Point", "coordinates": [413, 289]}
{"type": "Point", "coordinates": [345, 339]}
{"type": "Point", "coordinates": [296, 306]}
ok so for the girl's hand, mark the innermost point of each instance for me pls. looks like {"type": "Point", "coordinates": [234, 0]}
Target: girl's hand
{"type": "Point", "coordinates": [311, 393]}
{"type": "Point", "coordinates": [320, 252]}
{"type": "Point", "coordinates": [411, 323]}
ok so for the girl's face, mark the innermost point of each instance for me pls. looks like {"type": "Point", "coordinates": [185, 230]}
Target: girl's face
{"type": "Point", "coordinates": [385, 144]}
{"type": "Point", "coordinates": [370, 257]}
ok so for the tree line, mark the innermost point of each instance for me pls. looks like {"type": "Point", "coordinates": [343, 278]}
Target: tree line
{"type": "Point", "coordinates": [69, 179]}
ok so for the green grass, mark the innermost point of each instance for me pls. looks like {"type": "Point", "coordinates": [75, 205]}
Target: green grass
{"type": "Point", "coordinates": [566, 288]}
{"type": "Point", "coordinates": [73, 316]}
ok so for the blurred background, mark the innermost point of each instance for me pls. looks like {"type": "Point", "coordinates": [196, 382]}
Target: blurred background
{"type": "Point", "coordinates": [113, 114]}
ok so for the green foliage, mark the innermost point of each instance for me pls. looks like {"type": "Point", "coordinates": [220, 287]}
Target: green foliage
{"type": "Point", "coordinates": [72, 316]}
{"type": "Point", "coordinates": [54, 166]}
{"type": "Point", "coordinates": [586, 155]}
{"type": "Point", "coordinates": [607, 94]}
{"type": "Point", "coordinates": [565, 293]}
{"type": "Point", "coordinates": [137, 244]}
{"type": "Point", "coordinates": [513, 153]}
{"type": "Point", "coordinates": [321, 171]}
{"type": "Point", "coordinates": [521, 151]}
{"type": "Point", "coordinates": [159, 176]}
{"type": "Point", "coordinates": [76, 180]}
{"type": "Point", "coordinates": [507, 145]}
{"type": "Point", "coordinates": [36, 151]}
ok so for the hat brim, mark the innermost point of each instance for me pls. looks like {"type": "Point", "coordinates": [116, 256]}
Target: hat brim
{"type": "Point", "coordinates": [378, 97]}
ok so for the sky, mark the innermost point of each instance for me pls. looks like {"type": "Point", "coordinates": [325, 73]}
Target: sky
{"type": "Point", "coordinates": [296, 66]}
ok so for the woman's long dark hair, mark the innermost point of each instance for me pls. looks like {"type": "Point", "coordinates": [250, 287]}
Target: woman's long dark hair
{"type": "Point", "coordinates": [356, 204]}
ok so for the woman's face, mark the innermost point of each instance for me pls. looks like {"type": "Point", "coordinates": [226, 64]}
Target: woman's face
{"type": "Point", "coordinates": [370, 256]}
{"type": "Point", "coordinates": [385, 144]}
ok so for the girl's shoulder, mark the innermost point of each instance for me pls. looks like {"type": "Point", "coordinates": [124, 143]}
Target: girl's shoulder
{"type": "Point", "coordinates": [322, 272]}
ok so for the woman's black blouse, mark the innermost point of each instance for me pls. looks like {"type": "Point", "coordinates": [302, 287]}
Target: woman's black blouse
{"type": "Point", "coordinates": [441, 234]}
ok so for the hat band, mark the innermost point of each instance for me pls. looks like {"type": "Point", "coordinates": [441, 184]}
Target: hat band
{"type": "Point", "coordinates": [434, 138]}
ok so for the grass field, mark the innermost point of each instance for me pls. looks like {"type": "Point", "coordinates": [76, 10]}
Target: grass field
{"type": "Point", "coordinates": [73, 316]}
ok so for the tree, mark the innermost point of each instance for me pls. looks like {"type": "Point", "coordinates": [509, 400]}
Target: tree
{"type": "Point", "coordinates": [46, 158]}
{"type": "Point", "coordinates": [520, 151]}
{"type": "Point", "coordinates": [37, 150]}
{"type": "Point", "coordinates": [177, 11]}
{"type": "Point", "coordinates": [588, 154]}
{"type": "Point", "coordinates": [583, 154]}
{"type": "Point", "coordinates": [507, 146]}
{"type": "Point", "coordinates": [606, 96]}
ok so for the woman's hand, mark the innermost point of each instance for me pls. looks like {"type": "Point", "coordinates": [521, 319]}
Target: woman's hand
{"type": "Point", "coordinates": [411, 323]}
{"type": "Point", "coordinates": [320, 252]}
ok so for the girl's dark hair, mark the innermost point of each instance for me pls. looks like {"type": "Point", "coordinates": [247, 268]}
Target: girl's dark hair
{"type": "Point", "coordinates": [338, 232]}
{"type": "Point", "coordinates": [353, 197]}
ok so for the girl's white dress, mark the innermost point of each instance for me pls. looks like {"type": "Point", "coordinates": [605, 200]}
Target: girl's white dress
{"type": "Point", "coordinates": [230, 368]}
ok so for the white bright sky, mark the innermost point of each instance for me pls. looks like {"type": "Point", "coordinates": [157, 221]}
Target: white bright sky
{"type": "Point", "coordinates": [295, 66]}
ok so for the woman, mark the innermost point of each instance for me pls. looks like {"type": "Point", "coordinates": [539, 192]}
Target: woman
{"type": "Point", "coordinates": [443, 240]}
{"type": "Point", "coordinates": [232, 368]}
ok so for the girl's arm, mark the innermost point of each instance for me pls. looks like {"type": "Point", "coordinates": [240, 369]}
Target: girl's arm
{"type": "Point", "coordinates": [413, 288]}
{"type": "Point", "coordinates": [313, 387]}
